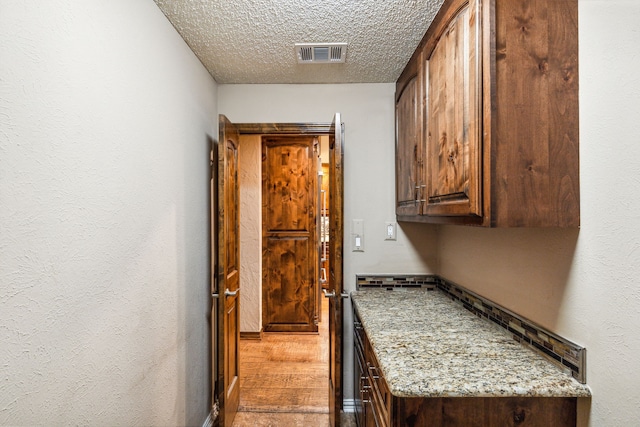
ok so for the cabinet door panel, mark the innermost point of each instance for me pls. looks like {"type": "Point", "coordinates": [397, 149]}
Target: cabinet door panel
{"type": "Point", "coordinates": [409, 152]}
{"type": "Point", "coordinates": [453, 118]}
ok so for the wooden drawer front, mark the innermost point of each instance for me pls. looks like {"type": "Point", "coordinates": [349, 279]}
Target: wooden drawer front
{"type": "Point", "coordinates": [362, 388]}
{"type": "Point", "coordinates": [380, 396]}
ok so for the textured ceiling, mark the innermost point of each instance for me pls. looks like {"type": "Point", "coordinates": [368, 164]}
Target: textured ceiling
{"type": "Point", "coordinates": [252, 41]}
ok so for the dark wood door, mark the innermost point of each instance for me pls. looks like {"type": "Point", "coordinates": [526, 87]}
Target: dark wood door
{"type": "Point", "coordinates": [335, 285]}
{"type": "Point", "coordinates": [227, 270]}
{"type": "Point", "coordinates": [453, 116]}
{"type": "Point", "coordinates": [289, 234]}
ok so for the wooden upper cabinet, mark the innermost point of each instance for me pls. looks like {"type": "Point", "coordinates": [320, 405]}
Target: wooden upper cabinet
{"type": "Point", "coordinates": [500, 132]}
{"type": "Point", "coordinates": [409, 152]}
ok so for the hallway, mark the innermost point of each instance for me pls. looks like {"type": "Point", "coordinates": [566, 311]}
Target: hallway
{"type": "Point", "coordinates": [284, 379]}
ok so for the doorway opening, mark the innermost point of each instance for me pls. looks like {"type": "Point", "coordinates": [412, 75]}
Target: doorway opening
{"type": "Point", "coordinates": [284, 375]}
{"type": "Point", "coordinates": [231, 235]}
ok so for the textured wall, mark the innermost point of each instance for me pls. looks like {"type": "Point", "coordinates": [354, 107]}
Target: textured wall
{"type": "Point", "coordinates": [250, 233]}
{"type": "Point", "coordinates": [582, 284]}
{"type": "Point", "coordinates": [368, 113]}
{"type": "Point", "coordinates": [105, 116]}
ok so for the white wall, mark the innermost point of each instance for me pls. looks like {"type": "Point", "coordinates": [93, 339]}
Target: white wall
{"type": "Point", "coordinates": [582, 284]}
{"type": "Point", "coordinates": [105, 116]}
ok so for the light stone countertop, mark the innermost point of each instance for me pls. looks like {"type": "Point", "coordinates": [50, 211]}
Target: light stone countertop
{"type": "Point", "coordinates": [429, 346]}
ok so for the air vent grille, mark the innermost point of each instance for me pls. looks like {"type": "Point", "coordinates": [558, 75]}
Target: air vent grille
{"type": "Point", "coordinates": [306, 54]}
{"type": "Point", "coordinates": [336, 53]}
{"type": "Point", "coordinates": [321, 53]}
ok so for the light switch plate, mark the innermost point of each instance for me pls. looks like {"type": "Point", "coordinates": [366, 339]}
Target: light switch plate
{"type": "Point", "coordinates": [357, 235]}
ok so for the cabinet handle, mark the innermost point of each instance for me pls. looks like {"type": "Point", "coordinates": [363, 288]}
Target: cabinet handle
{"type": "Point", "coordinates": [420, 190]}
{"type": "Point", "coordinates": [421, 198]}
{"type": "Point", "coordinates": [364, 389]}
{"type": "Point", "coordinates": [373, 369]}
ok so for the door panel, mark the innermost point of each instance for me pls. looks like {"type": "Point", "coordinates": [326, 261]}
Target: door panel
{"type": "Point", "coordinates": [335, 285]}
{"type": "Point", "coordinates": [228, 274]}
{"type": "Point", "coordinates": [287, 166]}
{"type": "Point", "coordinates": [289, 298]}
{"type": "Point", "coordinates": [289, 199]}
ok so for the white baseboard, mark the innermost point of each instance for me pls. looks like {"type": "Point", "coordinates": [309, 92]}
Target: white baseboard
{"type": "Point", "coordinates": [213, 414]}
{"type": "Point", "coordinates": [349, 405]}
{"type": "Point", "coordinates": [208, 422]}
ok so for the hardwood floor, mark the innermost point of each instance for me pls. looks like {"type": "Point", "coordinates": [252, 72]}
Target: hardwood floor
{"type": "Point", "coordinates": [284, 379]}
{"type": "Point", "coordinates": [280, 419]}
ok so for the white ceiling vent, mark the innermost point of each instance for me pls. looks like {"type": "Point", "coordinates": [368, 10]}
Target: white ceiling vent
{"type": "Point", "coordinates": [321, 53]}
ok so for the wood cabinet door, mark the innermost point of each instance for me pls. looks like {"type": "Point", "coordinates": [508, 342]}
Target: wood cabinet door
{"type": "Point", "coordinates": [408, 142]}
{"type": "Point", "coordinates": [453, 114]}
{"type": "Point", "coordinates": [289, 195]}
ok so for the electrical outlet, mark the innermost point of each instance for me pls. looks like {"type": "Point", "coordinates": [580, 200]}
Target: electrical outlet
{"type": "Point", "coordinates": [390, 231]}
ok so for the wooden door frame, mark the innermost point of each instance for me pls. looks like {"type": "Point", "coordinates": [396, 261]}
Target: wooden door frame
{"type": "Point", "coordinates": [302, 129]}
{"type": "Point", "coordinates": [275, 129]}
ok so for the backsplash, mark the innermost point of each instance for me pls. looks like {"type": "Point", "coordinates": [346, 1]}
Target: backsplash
{"type": "Point", "coordinates": [397, 281]}
{"type": "Point", "coordinates": [562, 352]}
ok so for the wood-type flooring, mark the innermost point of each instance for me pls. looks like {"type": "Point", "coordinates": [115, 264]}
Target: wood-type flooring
{"type": "Point", "coordinates": [284, 379]}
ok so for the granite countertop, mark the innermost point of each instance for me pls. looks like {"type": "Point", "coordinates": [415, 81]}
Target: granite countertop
{"type": "Point", "coordinates": [429, 346]}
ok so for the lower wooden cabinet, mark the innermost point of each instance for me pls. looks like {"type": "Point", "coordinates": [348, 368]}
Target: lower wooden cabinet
{"type": "Point", "coordinates": [377, 407]}
{"type": "Point", "coordinates": [372, 396]}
